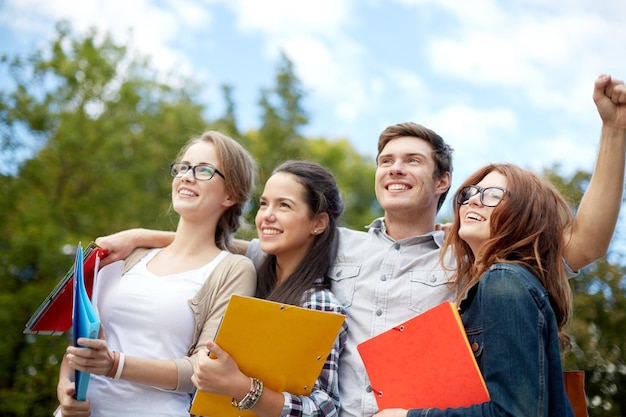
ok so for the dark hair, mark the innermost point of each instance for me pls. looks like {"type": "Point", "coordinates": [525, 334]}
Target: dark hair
{"type": "Point", "coordinates": [322, 196]}
{"type": "Point", "coordinates": [525, 228]}
{"type": "Point", "coordinates": [442, 152]}
{"type": "Point", "coordinates": [239, 169]}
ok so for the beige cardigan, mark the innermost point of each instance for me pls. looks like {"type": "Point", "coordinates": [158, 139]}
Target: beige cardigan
{"type": "Point", "coordinates": [235, 274]}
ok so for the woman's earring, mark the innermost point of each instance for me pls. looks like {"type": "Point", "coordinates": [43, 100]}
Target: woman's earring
{"type": "Point", "coordinates": [314, 231]}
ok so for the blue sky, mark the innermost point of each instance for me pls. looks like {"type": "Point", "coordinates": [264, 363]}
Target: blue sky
{"type": "Point", "coordinates": [500, 80]}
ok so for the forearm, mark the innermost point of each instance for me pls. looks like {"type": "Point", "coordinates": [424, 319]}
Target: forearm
{"type": "Point", "coordinates": [120, 245]}
{"type": "Point", "coordinates": [161, 373]}
{"type": "Point", "coordinates": [592, 230]}
{"type": "Point", "coordinates": [65, 377]}
{"type": "Point", "coordinates": [241, 246]}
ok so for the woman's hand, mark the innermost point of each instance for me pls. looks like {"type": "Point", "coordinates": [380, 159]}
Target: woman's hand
{"type": "Point", "coordinates": [69, 406]}
{"type": "Point", "coordinates": [118, 245]}
{"type": "Point", "coordinates": [392, 412]}
{"type": "Point", "coordinates": [219, 374]}
{"type": "Point", "coordinates": [95, 357]}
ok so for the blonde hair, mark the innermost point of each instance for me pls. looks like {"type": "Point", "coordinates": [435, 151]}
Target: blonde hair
{"type": "Point", "coordinates": [239, 169]}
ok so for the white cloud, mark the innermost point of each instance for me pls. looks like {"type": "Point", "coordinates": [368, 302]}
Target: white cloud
{"type": "Point", "coordinates": [287, 17]}
{"type": "Point", "coordinates": [501, 63]}
{"type": "Point", "coordinates": [150, 28]}
{"type": "Point", "coordinates": [467, 129]}
{"type": "Point", "coordinates": [530, 45]}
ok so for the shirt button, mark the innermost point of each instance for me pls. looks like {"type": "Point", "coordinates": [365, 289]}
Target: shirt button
{"type": "Point", "coordinates": [396, 246]}
{"type": "Point", "coordinates": [433, 278]}
{"type": "Point", "coordinates": [474, 346]}
{"type": "Point", "coordinates": [339, 273]}
{"type": "Point", "coordinates": [369, 388]}
{"type": "Point", "coordinates": [383, 278]}
{"type": "Point", "coordinates": [379, 312]}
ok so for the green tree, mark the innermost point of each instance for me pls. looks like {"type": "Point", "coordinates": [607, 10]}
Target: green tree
{"type": "Point", "coordinates": [105, 132]}
{"type": "Point", "coordinates": [355, 176]}
{"type": "Point", "coordinates": [599, 318]}
{"type": "Point", "coordinates": [279, 137]}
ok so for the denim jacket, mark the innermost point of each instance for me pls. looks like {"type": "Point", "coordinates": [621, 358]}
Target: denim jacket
{"type": "Point", "coordinates": [513, 332]}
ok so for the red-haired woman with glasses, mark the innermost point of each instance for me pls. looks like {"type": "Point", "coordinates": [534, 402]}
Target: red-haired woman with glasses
{"type": "Point", "coordinates": [514, 295]}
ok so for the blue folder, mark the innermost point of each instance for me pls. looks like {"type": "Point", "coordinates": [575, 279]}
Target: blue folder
{"type": "Point", "coordinates": [85, 320]}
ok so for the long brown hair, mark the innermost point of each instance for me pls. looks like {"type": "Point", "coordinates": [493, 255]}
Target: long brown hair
{"type": "Point", "coordinates": [322, 195]}
{"type": "Point", "coordinates": [526, 228]}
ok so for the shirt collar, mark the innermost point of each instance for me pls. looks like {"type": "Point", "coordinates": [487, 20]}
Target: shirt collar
{"type": "Point", "coordinates": [378, 226]}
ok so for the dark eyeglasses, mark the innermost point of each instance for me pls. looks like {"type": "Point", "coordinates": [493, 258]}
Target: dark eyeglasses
{"type": "Point", "coordinates": [489, 196]}
{"type": "Point", "coordinates": [201, 172]}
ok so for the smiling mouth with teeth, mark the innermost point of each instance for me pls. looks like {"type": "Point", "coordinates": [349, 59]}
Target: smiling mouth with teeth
{"type": "Point", "coordinates": [475, 216]}
{"type": "Point", "coordinates": [397, 187]}
{"type": "Point", "coordinates": [187, 193]}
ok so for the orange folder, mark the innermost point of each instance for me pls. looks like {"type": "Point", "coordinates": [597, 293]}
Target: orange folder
{"type": "Point", "coordinates": [425, 362]}
{"type": "Point", "coordinates": [282, 345]}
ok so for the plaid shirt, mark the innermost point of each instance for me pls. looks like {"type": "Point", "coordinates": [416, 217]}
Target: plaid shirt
{"type": "Point", "coordinates": [324, 399]}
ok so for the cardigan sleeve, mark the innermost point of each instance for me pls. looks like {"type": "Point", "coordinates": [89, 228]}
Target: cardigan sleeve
{"type": "Point", "coordinates": [234, 275]}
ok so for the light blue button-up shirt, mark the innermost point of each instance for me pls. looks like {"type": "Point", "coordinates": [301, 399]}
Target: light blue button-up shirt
{"type": "Point", "coordinates": [381, 283]}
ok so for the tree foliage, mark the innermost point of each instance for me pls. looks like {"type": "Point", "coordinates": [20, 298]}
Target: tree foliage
{"type": "Point", "coordinates": [599, 318]}
{"type": "Point", "coordinates": [88, 132]}
{"type": "Point", "coordinates": [105, 131]}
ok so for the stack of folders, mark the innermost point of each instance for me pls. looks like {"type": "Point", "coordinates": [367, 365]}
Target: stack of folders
{"type": "Point", "coordinates": [85, 320]}
{"type": "Point", "coordinates": [69, 305]}
{"type": "Point", "coordinates": [54, 315]}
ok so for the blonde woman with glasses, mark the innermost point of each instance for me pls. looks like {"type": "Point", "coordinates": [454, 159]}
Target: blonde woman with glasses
{"type": "Point", "coordinates": [169, 301]}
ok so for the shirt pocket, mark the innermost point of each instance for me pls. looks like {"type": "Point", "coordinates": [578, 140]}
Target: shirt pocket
{"type": "Point", "coordinates": [343, 278]}
{"type": "Point", "coordinates": [475, 339]}
{"type": "Point", "coordinates": [428, 288]}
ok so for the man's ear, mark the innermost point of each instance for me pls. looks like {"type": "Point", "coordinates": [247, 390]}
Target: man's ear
{"type": "Point", "coordinates": [443, 183]}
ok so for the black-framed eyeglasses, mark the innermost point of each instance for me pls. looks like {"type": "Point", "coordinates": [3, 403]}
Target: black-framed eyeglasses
{"type": "Point", "coordinates": [201, 172]}
{"type": "Point", "coordinates": [489, 196]}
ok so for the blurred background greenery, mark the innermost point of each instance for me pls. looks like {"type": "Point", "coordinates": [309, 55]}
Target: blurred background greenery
{"type": "Point", "coordinates": [87, 135]}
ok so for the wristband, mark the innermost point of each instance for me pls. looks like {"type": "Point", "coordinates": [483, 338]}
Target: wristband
{"type": "Point", "coordinates": [120, 366]}
{"type": "Point", "coordinates": [116, 362]}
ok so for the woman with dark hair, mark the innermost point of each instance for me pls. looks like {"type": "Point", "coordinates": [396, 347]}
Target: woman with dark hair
{"type": "Point", "coordinates": [297, 228]}
{"type": "Point", "coordinates": [514, 295]}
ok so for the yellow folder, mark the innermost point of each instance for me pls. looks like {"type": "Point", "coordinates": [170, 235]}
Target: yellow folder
{"type": "Point", "coordinates": [282, 345]}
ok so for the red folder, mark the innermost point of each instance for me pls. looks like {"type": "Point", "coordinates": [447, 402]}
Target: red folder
{"type": "Point", "coordinates": [54, 315]}
{"type": "Point", "coordinates": [425, 362]}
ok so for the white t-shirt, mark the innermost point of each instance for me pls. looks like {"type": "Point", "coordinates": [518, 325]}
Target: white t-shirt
{"type": "Point", "coordinates": [147, 316]}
